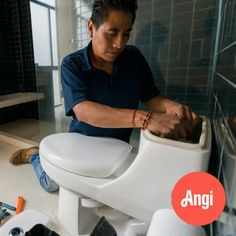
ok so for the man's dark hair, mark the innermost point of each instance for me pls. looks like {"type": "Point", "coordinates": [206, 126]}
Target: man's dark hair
{"type": "Point", "coordinates": [101, 9]}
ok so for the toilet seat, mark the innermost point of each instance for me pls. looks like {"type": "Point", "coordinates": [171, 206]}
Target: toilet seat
{"type": "Point", "coordinates": [83, 159]}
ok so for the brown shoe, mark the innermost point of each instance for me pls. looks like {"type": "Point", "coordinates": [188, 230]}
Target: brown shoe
{"type": "Point", "coordinates": [22, 156]}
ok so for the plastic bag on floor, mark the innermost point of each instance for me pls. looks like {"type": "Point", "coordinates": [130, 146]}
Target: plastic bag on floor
{"type": "Point", "coordinates": [41, 230]}
{"type": "Point", "coordinates": [103, 228]}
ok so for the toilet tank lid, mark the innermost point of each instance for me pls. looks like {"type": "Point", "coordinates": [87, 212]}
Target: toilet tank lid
{"type": "Point", "coordinates": [85, 155]}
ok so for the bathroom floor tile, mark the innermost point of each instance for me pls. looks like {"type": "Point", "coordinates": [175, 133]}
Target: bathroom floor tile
{"type": "Point", "coordinates": [21, 181]}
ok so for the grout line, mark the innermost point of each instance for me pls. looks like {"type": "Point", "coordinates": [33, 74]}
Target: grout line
{"type": "Point", "coordinates": [217, 103]}
{"type": "Point", "coordinates": [222, 148]}
{"type": "Point", "coordinates": [216, 49]}
{"type": "Point", "coordinates": [190, 50]}
{"type": "Point", "coordinates": [169, 43]}
{"type": "Point", "coordinates": [223, 25]}
{"type": "Point", "coordinates": [219, 106]}
{"type": "Point", "coordinates": [151, 33]}
{"type": "Point", "coordinates": [224, 49]}
{"type": "Point", "coordinates": [232, 20]}
{"type": "Point", "coordinates": [225, 79]}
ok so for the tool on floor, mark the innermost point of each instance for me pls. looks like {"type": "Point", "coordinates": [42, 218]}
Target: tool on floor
{"type": "Point", "coordinates": [20, 205]}
{"type": "Point", "coordinates": [3, 214]}
{"type": "Point", "coordinates": [9, 207]}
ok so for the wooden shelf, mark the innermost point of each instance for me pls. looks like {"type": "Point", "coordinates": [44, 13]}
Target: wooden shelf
{"type": "Point", "coordinates": [19, 98]}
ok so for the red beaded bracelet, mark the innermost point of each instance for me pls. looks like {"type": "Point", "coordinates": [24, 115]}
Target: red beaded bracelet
{"type": "Point", "coordinates": [146, 120]}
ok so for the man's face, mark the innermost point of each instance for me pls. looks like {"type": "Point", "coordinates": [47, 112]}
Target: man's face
{"type": "Point", "coordinates": [109, 40]}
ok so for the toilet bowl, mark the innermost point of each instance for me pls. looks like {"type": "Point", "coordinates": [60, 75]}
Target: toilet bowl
{"type": "Point", "coordinates": [105, 176]}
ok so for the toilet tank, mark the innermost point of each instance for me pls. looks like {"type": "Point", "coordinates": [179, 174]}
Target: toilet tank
{"type": "Point", "coordinates": [147, 184]}
{"type": "Point", "coordinates": [176, 151]}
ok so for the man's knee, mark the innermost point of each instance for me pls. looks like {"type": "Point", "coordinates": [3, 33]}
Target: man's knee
{"type": "Point", "coordinates": [48, 184]}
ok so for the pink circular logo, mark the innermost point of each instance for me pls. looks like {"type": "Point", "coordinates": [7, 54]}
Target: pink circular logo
{"type": "Point", "coordinates": [198, 198]}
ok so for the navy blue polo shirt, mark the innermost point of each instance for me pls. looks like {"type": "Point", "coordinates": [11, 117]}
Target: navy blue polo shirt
{"type": "Point", "coordinates": [131, 82]}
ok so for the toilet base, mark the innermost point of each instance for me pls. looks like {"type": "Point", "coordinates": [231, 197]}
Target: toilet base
{"type": "Point", "coordinates": [79, 215]}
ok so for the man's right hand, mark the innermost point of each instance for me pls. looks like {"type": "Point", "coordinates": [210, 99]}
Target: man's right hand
{"type": "Point", "coordinates": [169, 126]}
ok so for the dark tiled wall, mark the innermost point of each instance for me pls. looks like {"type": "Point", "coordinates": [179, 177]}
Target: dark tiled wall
{"type": "Point", "coordinates": [224, 115]}
{"type": "Point", "coordinates": [177, 38]}
{"type": "Point", "coordinates": [17, 71]}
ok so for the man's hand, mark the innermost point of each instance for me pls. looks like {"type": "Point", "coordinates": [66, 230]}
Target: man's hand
{"type": "Point", "coordinates": [184, 113]}
{"type": "Point", "coordinates": [167, 106]}
{"type": "Point", "coordinates": [169, 126]}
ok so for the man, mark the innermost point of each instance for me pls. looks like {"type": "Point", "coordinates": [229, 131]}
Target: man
{"type": "Point", "coordinates": [104, 83]}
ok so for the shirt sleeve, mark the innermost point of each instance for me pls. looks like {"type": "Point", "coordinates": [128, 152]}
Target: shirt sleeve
{"type": "Point", "coordinates": [74, 89]}
{"type": "Point", "coordinates": [148, 88]}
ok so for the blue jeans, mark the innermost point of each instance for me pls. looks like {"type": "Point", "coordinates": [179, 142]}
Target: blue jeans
{"type": "Point", "coordinates": [45, 181]}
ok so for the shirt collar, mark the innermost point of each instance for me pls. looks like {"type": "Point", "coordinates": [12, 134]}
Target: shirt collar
{"type": "Point", "coordinates": [87, 63]}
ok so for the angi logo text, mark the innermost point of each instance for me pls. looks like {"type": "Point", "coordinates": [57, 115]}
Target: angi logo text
{"type": "Point", "coordinates": [201, 200]}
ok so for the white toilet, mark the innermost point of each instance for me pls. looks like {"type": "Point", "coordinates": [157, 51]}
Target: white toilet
{"type": "Point", "coordinates": [165, 222]}
{"type": "Point", "coordinates": [104, 176]}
